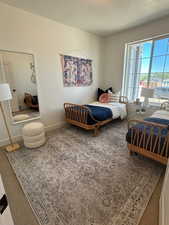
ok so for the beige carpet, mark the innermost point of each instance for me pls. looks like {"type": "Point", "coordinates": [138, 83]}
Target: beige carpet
{"type": "Point", "coordinates": [85, 180]}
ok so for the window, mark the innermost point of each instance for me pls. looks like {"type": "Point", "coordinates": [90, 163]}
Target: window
{"type": "Point", "coordinates": [147, 65]}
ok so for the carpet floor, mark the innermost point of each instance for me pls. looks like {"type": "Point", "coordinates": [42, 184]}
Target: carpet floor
{"type": "Point", "coordinates": [76, 179]}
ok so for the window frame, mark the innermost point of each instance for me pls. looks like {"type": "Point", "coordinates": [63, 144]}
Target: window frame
{"type": "Point", "coordinates": [126, 57]}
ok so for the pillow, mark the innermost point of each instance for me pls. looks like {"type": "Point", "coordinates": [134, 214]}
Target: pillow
{"type": "Point", "coordinates": [104, 98]}
{"type": "Point", "coordinates": [114, 97]}
{"type": "Point", "coordinates": [101, 91]}
{"type": "Point", "coordinates": [35, 100]}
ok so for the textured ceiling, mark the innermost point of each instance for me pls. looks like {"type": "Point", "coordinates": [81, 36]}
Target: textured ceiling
{"type": "Point", "coordinates": [101, 17]}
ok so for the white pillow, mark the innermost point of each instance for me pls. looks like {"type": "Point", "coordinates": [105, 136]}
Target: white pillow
{"type": "Point", "coordinates": [114, 97]}
{"type": "Point", "coordinates": [162, 114]}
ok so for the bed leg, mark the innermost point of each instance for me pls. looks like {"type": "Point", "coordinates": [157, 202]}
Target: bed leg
{"type": "Point", "coordinates": [130, 153]}
{"type": "Point", "coordinates": [96, 131]}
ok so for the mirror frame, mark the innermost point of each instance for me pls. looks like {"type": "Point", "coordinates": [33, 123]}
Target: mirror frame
{"type": "Point", "coordinates": [37, 85]}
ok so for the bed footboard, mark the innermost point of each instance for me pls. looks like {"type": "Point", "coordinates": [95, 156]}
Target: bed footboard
{"type": "Point", "coordinates": [153, 144]}
{"type": "Point", "coordinates": [78, 115]}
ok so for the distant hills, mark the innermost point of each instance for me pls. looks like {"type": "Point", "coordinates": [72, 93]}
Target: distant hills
{"type": "Point", "coordinates": [158, 76]}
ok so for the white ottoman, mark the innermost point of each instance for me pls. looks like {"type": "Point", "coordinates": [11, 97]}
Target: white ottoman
{"type": "Point", "coordinates": [33, 134]}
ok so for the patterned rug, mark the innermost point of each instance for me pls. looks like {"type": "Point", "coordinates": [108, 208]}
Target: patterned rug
{"type": "Point", "coordinates": [78, 179]}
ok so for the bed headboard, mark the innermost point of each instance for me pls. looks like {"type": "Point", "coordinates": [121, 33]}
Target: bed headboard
{"type": "Point", "coordinates": [118, 98]}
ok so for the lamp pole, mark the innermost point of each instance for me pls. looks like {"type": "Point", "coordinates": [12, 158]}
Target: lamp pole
{"type": "Point", "coordinates": [5, 95]}
{"type": "Point", "coordinates": [12, 146]}
{"type": "Point", "coordinates": [6, 124]}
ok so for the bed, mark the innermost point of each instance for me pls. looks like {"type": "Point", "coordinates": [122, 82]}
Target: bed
{"type": "Point", "coordinates": [94, 115]}
{"type": "Point", "coordinates": [150, 137]}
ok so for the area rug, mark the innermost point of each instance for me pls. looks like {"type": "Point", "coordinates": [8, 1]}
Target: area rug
{"type": "Point", "coordinates": [78, 179]}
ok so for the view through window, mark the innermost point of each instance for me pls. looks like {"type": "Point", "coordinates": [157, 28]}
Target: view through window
{"type": "Point", "coordinates": [147, 65]}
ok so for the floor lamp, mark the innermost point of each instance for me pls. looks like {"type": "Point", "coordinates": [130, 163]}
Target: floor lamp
{"type": "Point", "coordinates": [5, 95]}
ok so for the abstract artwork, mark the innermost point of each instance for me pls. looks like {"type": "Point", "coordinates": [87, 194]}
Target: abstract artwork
{"type": "Point", "coordinates": [77, 72]}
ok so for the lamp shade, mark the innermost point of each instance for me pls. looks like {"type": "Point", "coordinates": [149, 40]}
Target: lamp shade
{"type": "Point", "coordinates": [5, 92]}
{"type": "Point", "coordinates": [147, 92]}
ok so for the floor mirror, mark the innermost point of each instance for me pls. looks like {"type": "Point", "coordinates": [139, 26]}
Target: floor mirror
{"type": "Point", "coordinates": [18, 70]}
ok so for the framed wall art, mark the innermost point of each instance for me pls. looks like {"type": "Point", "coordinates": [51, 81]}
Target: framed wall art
{"type": "Point", "coordinates": [77, 72]}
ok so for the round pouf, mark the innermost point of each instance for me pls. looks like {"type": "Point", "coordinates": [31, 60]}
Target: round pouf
{"type": "Point", "coordinates": [33, 134]}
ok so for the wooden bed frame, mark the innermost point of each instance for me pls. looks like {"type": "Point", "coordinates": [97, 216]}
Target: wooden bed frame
{"type": "Point", "coordinates": [78, 114]}
{"type": "Point", "coordinates": [152, 143]}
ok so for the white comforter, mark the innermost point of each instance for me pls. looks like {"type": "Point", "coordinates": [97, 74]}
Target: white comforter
{"type": "Point", "coordinates": [118, 109]}
{"type": "Point", "coordinates": [162, 114]}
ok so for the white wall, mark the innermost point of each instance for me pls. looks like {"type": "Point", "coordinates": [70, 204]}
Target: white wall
{"type": "Point", "coordinates": [115, 48]}
{"type": "Point", "coordinates": [24, 32]}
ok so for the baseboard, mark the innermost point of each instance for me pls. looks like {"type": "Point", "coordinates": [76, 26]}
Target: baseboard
{"type": "Point", "coordinates": [55, 126]}
{"type": "Point", "coordinates": [18, 138]}
{"type": "Point", "coordinates": [161, 211]}
{"type": "Point", "coordinates": [164, 201]}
